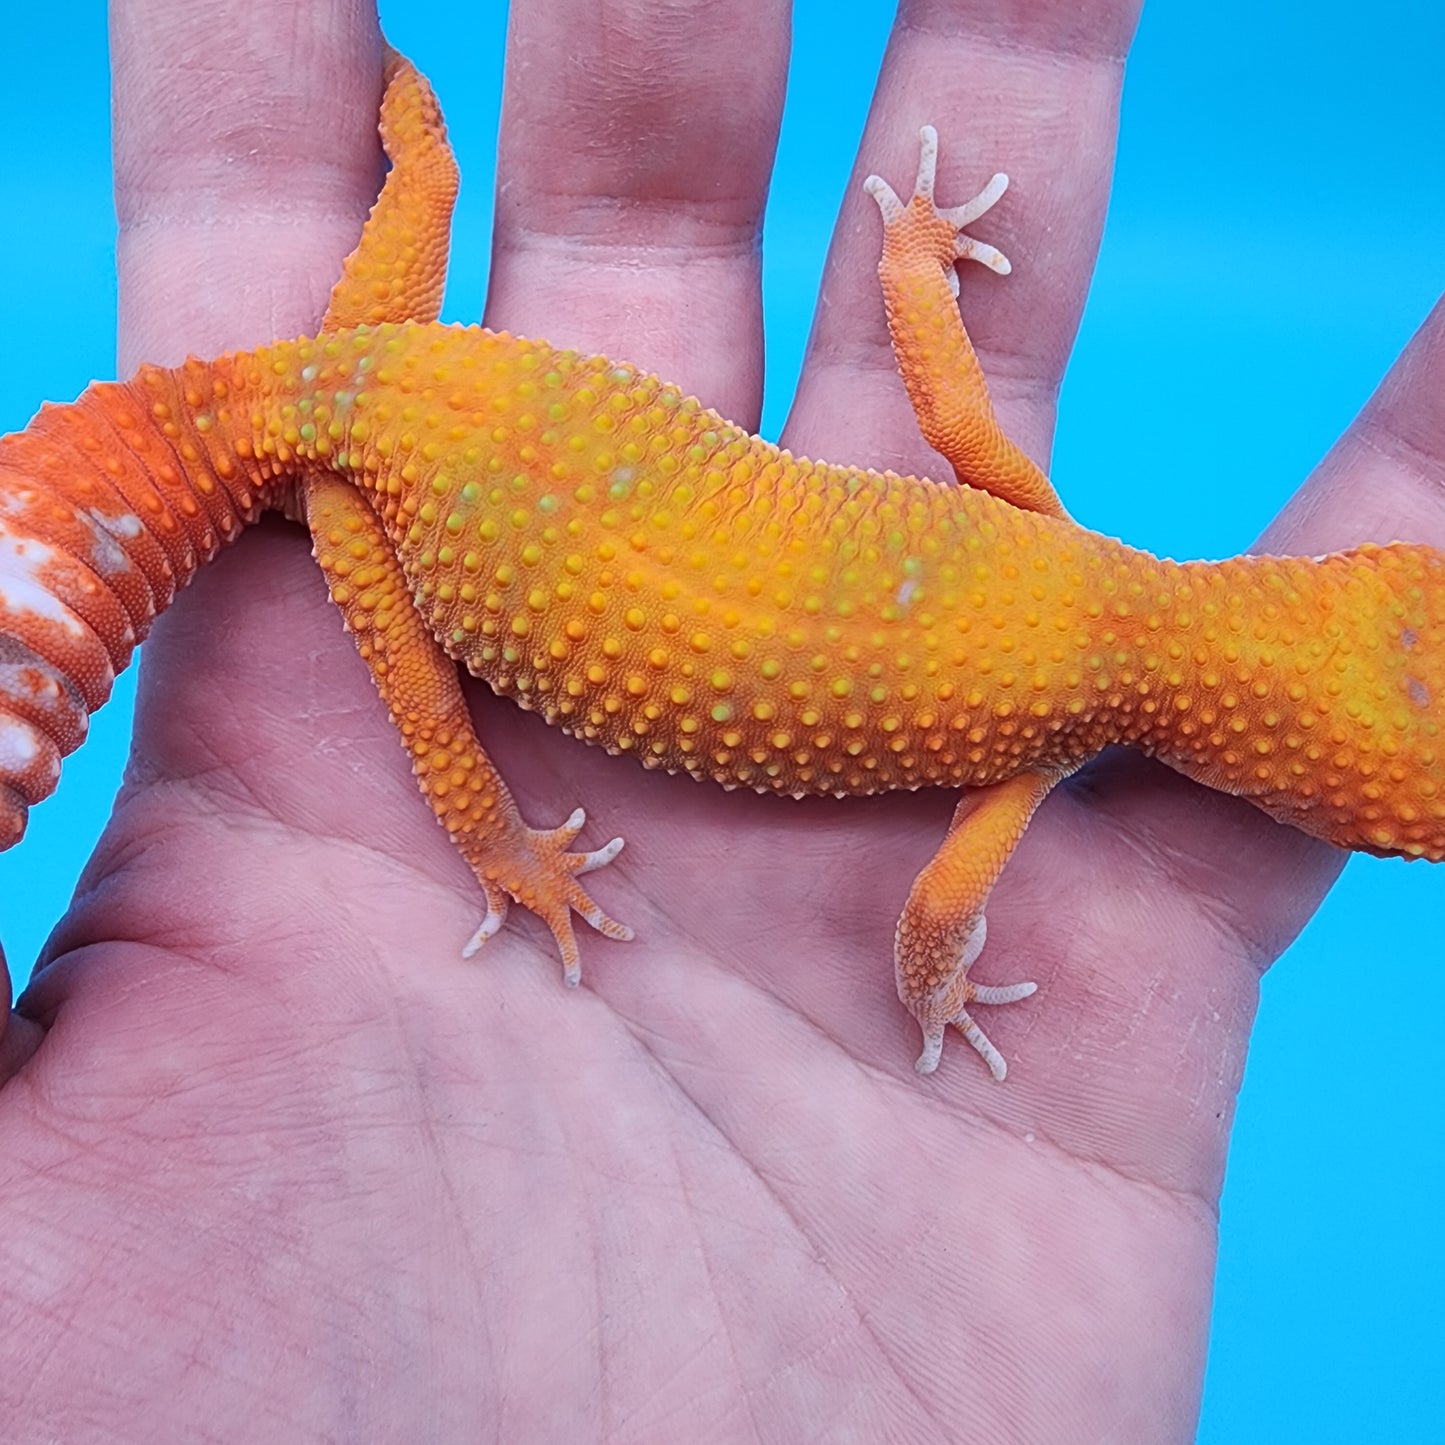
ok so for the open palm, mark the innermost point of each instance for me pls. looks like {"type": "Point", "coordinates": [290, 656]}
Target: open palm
{"type": "Point", "coordinates": [277, 1164]}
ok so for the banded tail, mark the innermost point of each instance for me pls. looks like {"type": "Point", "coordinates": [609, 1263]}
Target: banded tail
{"type": "Point", "coordinates": [107, 508]}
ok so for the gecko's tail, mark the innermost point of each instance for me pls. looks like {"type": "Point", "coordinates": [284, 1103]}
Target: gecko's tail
{"type": "Point", "coordinates": [107, 507]}
{"type": "Point", "coordinates": [1326, 707]}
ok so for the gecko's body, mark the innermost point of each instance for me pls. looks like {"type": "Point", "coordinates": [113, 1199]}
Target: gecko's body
{"type": "Point", "coordinates": [655, 580]}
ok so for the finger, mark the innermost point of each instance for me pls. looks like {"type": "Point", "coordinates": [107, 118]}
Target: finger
{"type": "Point", "coordinates": [637, 142]}
{"type": "Point", "coordinates": [247, 159]}
{"type": "Point", "coordinates": [1233, 888]}
{"type": "Point", "coordinates": [18, 1041]}
{"type": "Point", "coordinates": [240, 183]}
{"type": "Point", "coordinates": [1384, 480]}
{"type": "Point", "coordinates": [1029, 90]}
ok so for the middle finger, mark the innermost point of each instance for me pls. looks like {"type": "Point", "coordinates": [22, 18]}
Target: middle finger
{"type": "Point", "coordinates": [636, 146]}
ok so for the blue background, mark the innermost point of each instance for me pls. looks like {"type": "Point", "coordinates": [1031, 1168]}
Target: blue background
{"type": "Point", "coordinates": [1277, 232]}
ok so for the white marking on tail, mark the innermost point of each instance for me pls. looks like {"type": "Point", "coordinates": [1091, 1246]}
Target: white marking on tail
{"type": "Point", "coordinates": [19, 594]}
{"type": "Point", "coordinates": [28, 555]}
{"type": "Point", "coordinates": [107, 556]}
{"type": "Point", "coordinates": [124, 524]}
{"type": "Point", "coordinates": [29, 681]}
{"type": "Point", "coordinates": [19, 745]}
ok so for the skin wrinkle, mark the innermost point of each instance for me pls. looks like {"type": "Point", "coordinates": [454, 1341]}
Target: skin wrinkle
{"type": "Point", "coordinates": [1169, 852]}
{"type": "Point", "coordinates": [1196, 1204]}
{"type": "Point", "coordinates": [813, 1251]}
{"type": "Point", "coordinates": [646, 256]}
{"type": "Point", "coordinates": [1391, 405]}
{"type": "Point", "coordinates": [260, 828]}
{"type": "Point", "coordinates": [1007, 26]}
{"type": "Point", "coordinates": [164, 193]}
{"type": "Point", "coordinates": [1194, 1199]}
{"type": "Point", "coordinates": [704, 1256]}
{"type": "Point", "coordinates": [1397, 451]}
{"type": "Point", "coordinates": [1068, 56]}
{"type": "Point", "coordinates": [423, 1120]}
{"type": "Point", "coordinates": [199, 155]}
{"type": "Point", "coordinates": [1216, 908]}
{"type": "Point", "coordinates": [667, 210]}
{"type": "Point", "coordinates": [220, 789]}
{"type": "Point", "coordinates": [600, 127]}
{"type": "Point", "coordinates": [241, 217]}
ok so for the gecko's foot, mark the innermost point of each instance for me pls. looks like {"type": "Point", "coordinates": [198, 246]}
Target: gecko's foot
{"type": "Point", "coordinates": [533, 867]}
{"type": "Point", "coordinates": [964, 1022]}
{"type": "Point", "coordinates": [947, 1004]}
{"type": "Point", "coordinates": [925, 225]}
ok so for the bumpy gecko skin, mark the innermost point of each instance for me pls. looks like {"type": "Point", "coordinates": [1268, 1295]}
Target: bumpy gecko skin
{"type": "Point", "coordinates": [652, 579]}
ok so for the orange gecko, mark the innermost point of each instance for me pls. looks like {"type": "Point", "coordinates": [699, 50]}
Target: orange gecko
{"type": "Point", "coordinates": [650, 578]}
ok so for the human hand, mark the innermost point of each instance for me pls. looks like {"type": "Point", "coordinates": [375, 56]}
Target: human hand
{"type": "Point", "coordinates": [293, 1168]}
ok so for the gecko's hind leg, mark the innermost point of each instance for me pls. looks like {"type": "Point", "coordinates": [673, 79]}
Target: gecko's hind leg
{"type": "Point", "coordinates": [535, 867]}
{"type": "Point", "coordinates": [965, 993]}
